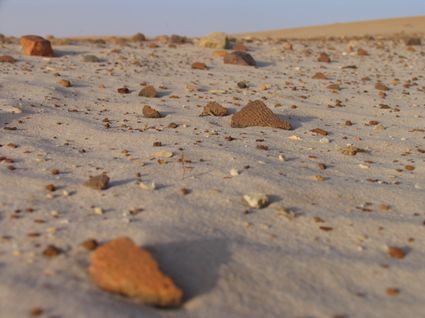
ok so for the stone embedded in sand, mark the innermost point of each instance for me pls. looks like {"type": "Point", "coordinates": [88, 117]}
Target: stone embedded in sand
{"type": "Point", "coordinates": [256, 200]}
{"type": "Point", "coordinates": [215, 40]}
{"type": "Point", "coordinates": [413, 41]}
{"type": "Point", "coordinates": [240, 47]}
{"type": "Point", "coordinates": [199, 66]}
{"type": "Point", "coordinates": [350, 150]}
{"type": "Point", "coordinates": [362, 52]}
{"type": "Point", "coordinates": [64, 83]}
{"type": "Point", "coordinates": [121, 267]}
{"type": "Point", "coordinates": [7, 59]}
{"type": "Point", "coordinates": [99, 182]}
{"type": "Point", "coordinates": [148, 91]}
{"type": "Point", "coordinates": [214, 109]}
{"type": "Point", "coordinates": [323, 57]}
{"type": "Point", "coordinates": [319, 76]}
{"type": "Point", "coordinates": [381, 87]}
{"type": "Point", "coordinates": [51, 251]}
{"type": "Point", "coordinates": [256, 113]}
{"type": "Point", "coordinates": [90, 58]}
{"type": "Point", "coordinates": [396, 252]}
{"type": "Point", "coordinates": [123, 90]}
{"type": "Point", "coordinates": [319, 131]}
{"type": "Point", "coordinates": [150, 112]}
{"type": "Point", "coordinates": [242, 85]}
{"type": "Point", "coordinates": [36, 45]}
{"type": "Point", "coordinates": [239, 58]}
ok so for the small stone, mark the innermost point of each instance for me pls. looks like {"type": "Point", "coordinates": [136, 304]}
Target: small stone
{"type": "Point", "coordinates": [138, 37]}
{"type": "Point", "coordinates": [64, 83]}
{"type": "Point", "coordinates": [150, 112]}
{"type": "Point", "coordinates": [51, 251]}
{"type": "Point", "coordinates": [234, 172]}
{"type": "Point", "coordinates": [36, 312]}
{"type": "Point", "coordinates": [214, 109]}
{"type": "Point", "coordinates": [50, 188]}
{"type": "Point", "coordinates": [215, 40]}
{"type": "Point", "coordinates": [239, 58]}
{"type": "Point", "coordinates": [391, 291]}
{"type": "Point", "coordinates": [323, 57]}
{"type": "Point", "coordinates": [381, 87]}
{"type": "Point", "coordinates": [162, 154]}
{"type": "Point", "coordinates": [36, 46]}
{"type": "Point", "coordinates": [199, 66]}
{"type": "Point", "coordinates": [98, 211]}
{"type": "Point", "coordinates": [90, 59]}
{"type": "Point", "coordinates": [350, 150]}
{"type": "Point", "coordinates": [148, 91]}
{"type": "Point", "coordinates": [242, 85]}
{"type": "Point", "coordinates": [413, 41]}
{"type": "Point", "coordinates": [362, 52]}
{"type": "Point", "coordinates": [90, 244]}
{"type": "Point", "coordinates": [396, 252]}
{"type": "Point", "coordinates": [123, 90]}
{"type": "Point", "coordinates": [120, 266]}
{"type": "Point", "coordinates": [409, 167]}
{"type": "Point", "coordinates": [99, 182]}
{"type": "Point", "coordinates": [320, 76]}
{"type": "Point", "coordinates": [256, 200]}
{"type": "Point", "coordinates": [7, 59]}
{"type": "Point", "coordinates": [319, 131]}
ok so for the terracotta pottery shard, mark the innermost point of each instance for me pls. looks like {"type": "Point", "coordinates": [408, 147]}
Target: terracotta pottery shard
{"type": "Point", "coordinates": [36, 45]}
{"type": "Point", "coordinates": [121, 267]}
{"type": "Point", "coordinates": [214, 109]}
{"type": "Point", "coordinates": [239, 58]}
{"type": "Point", "coordinates": [256, 113]}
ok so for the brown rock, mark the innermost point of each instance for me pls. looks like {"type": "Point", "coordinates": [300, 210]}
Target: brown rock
{"type": "Point", "coordinates": [214, 109]}
{"type": "Point", "coordinates": [256, 113]}
{"type": "Point", "coordinates": [64, 83]}
{"type": "Point", "coordinates": [51, 251]}
{"type": "Point", "coordinates": [239, 58]}
{"type": "Point", "coordinates": [99, 182]}
{"type": "Point", "coordinates": [240, 47]}
{"type": "Point", "coordinates": [413, 41]}
{"type": "Point", "coordinates": [36, 45]}
{"type": "Point", "coordinates": [199, 66]}
{"type": "Point", "coordinates": [150, 112]}
{"type": "Point", "coordinates": [7, 59]}
{"type": "Point", "coordinates": [319, 131]}
{"type": "Point", "coordinates": [362, 52]}
{"type": "Point", "coordinates": [148, 91]}
{"type": "Point", "coordinates": [323, 57]}
{"type": "Point", "coordinates": [138, 37]}
{"type": "Point", "coordinates": [123, 90]}
{"type": "Point", "coordinates": [381, 87]}
{"type": "Point", "coordinates": [177, 39]}
{"type": "Point", "coordinates": [396, 252]}
{"type": "Point", "coordinates": [90, 244]}
{"type": "Point", "coordinates": [121, 267]}
{"type": "Point", "coordinates": [319, 76]}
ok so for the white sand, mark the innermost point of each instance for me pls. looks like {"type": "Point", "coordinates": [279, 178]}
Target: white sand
{"type": "Point", "coordinates": [228, 263]}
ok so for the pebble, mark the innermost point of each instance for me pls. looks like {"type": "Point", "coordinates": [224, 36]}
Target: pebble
{"type": "Point", "coordinates": [148, 91]}
{"type": "Point", "coordinates": [99, 182]}
{"type": "Point", "coordinates": [239, 58]}
{"type": "Point", "coordinates": [150, 112]}
{"type": "Point", "coordinates": [256, 200]}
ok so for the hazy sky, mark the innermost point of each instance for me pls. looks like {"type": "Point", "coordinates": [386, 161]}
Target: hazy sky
{"type": "Point", "coordinates": [187, 17]}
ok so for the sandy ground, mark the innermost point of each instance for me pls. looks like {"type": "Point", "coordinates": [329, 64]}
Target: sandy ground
{"type": "Point", "coordinates": [318, 250]}
{"type": "Point", "coordinates": [385, 27]}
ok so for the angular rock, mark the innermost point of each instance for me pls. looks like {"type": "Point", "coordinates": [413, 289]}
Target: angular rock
{"type": "Point", "coordinates": [256, 113]}
{"type": "Point", "coordinates": [323, 57]}
{"type": "Point", "coordinates": [199, 66]}
{"type": "Point", "coordinates": [120, 266]}
{"type": "Point", "coordinates": [239, 58]}
{"type": "Point", "coordinates": [36, 46]}
{"type": "Point", "coordinates": [148, 91]}
{"type": "Point", "coordinates": [7, 59]}
{"type": "Point", "coordinates": [150, 112]}
{"type": "Point", "coordinates": [319, 76]}
{"type": "Point", "coordinates": [240, 47]}
{"type": "Point", "coordinates": [214, 109]}
{"type": "Point", "coordinates": [99, 182]}
{"type": "Point", "coordinates": [256, 200]}
{"type": "Point", "coordinates": [381, 87]}
{"type": "Point", "coordinates": [215, 40]}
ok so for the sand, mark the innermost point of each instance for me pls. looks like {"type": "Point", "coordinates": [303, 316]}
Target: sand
{"type": "Point", "coordinates": [319, 249]}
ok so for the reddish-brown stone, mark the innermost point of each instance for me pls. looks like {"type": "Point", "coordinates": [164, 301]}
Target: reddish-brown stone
{"type": "Point", "coordinates": [36, 45]}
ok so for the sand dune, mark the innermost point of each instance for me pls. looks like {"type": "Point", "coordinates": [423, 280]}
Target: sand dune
{"type": "Point", "coordinates": [386, 27]}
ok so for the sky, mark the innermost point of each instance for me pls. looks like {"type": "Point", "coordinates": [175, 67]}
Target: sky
{"type": "Point", "coordinates": [187, 17]}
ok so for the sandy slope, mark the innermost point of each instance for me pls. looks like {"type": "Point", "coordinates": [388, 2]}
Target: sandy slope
{"type": "Point", "coordinates": [329, 261]}
{"type": "Point", "coordinates": [385, 27]}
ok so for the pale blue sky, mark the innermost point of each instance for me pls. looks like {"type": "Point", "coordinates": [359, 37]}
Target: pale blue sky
{"type": "Point", "coordinates": [187, 17]}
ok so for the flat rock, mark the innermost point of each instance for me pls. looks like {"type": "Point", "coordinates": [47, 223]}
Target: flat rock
{"type": "Point", "coordinates": [120, 266]}
{"type": "Point", "coordinates": [99, 182]}
{"type": "Point", "coordinates": [256, 113]}
{"type": "Point", "coordinates": [36, 45]}
{"type": "Point", "coordinates": [199, 66]}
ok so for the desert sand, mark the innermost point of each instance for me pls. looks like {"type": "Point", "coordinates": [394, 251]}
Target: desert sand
{"type": "Point", "coordinates": [343, 234]}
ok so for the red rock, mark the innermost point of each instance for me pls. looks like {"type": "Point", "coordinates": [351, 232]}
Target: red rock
{"type": "Point", "coordinates": [36, 45]}
{"type": "Point", "coordinates": [120, 266]}
{"type": "Point", "coordinates": [199, 66]}
{"type": "Point", "coordinates": [324, 58]}
{"type": "Point", "coordinates": [7, 59]}
{"type": "Point", "coordinates": [239, 58]}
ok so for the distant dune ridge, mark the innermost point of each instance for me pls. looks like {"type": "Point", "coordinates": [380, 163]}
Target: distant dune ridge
{"type": "Point", "coordinates": [386, 27]}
